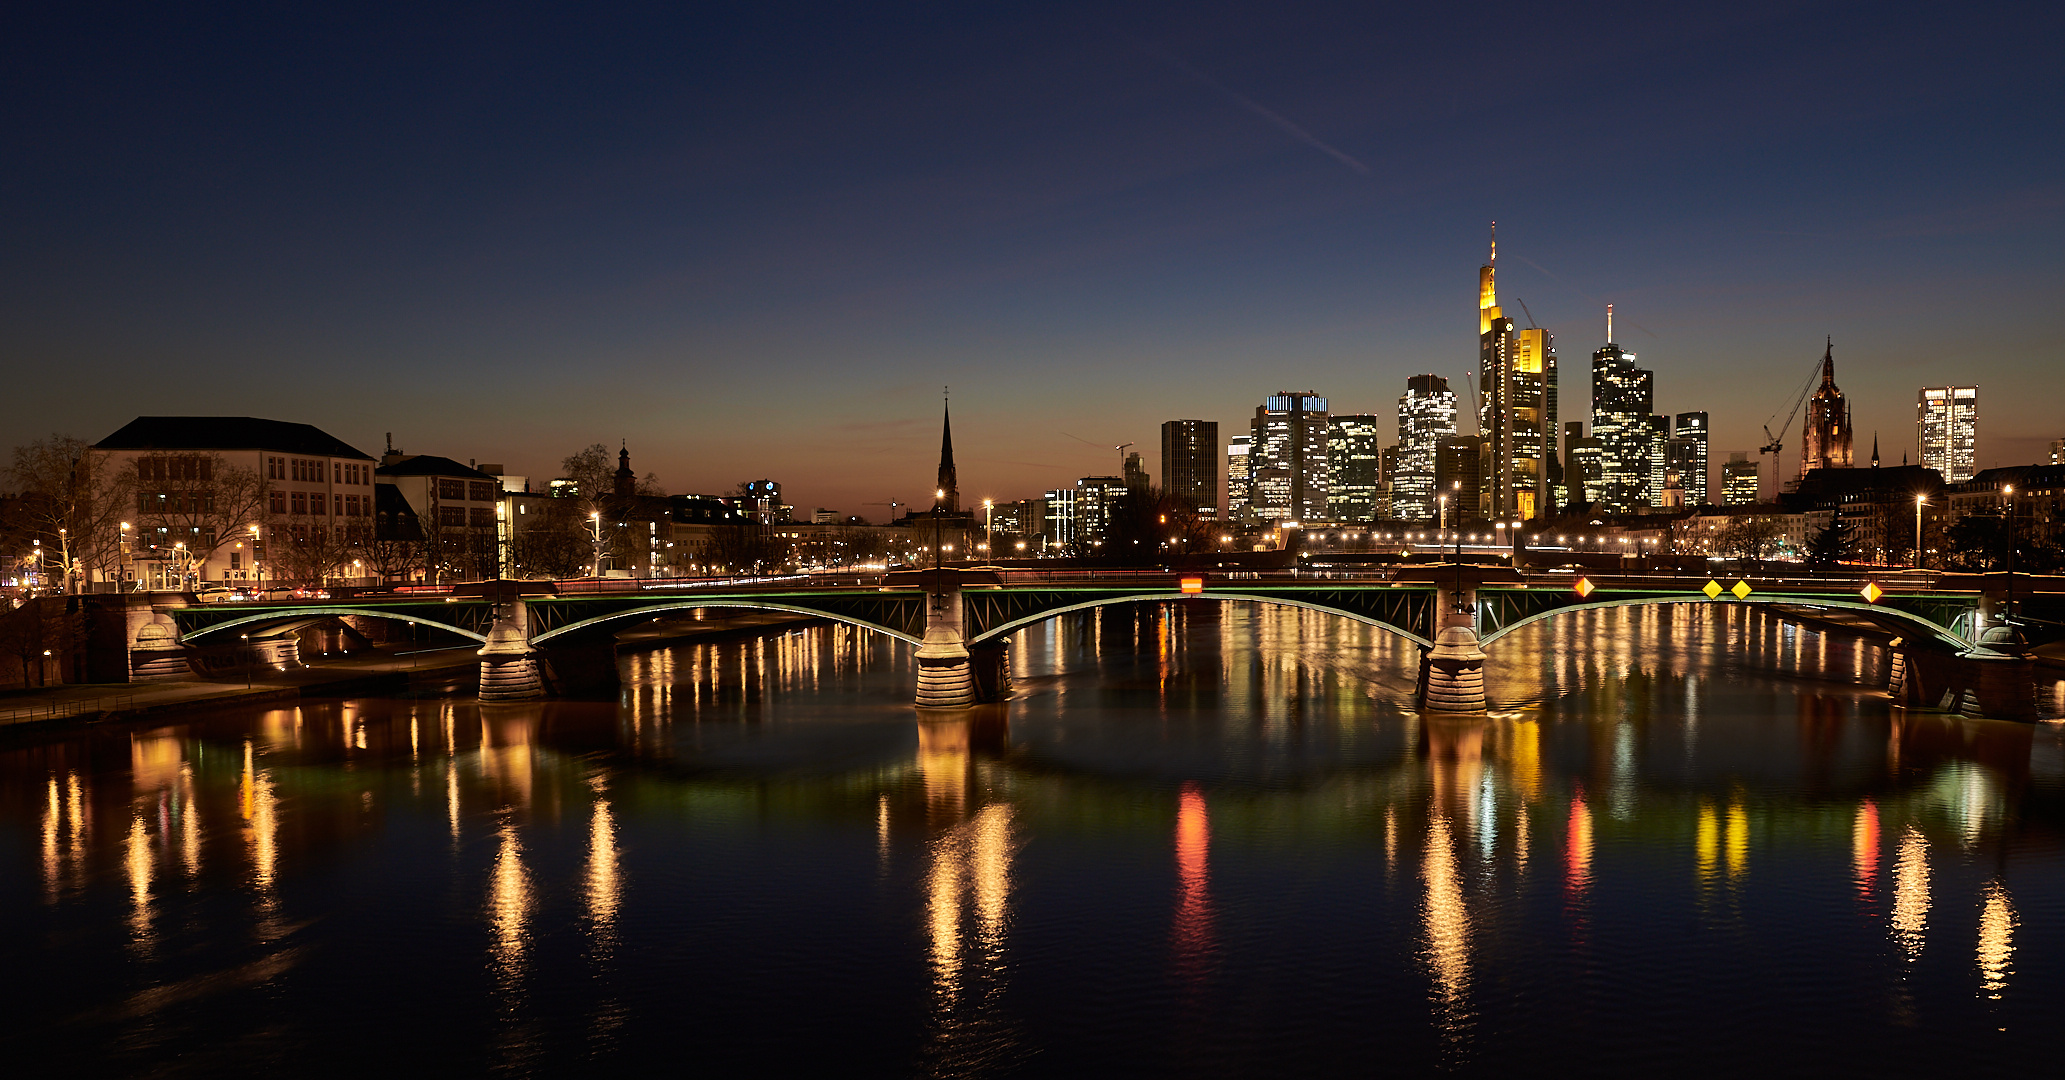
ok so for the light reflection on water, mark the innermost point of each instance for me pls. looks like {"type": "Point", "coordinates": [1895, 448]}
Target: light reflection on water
{"type": "Point", "coordinates": [1205, 840]}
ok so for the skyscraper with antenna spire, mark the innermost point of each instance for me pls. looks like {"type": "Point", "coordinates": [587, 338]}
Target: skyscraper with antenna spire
{"type": "Point", "coordinates": [1516, 412]}
{"type": "Point", "coordinates": [1623, 399]}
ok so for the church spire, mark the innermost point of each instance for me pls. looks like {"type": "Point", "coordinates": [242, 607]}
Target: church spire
{"type": "Point", "coordinates": [1874, 449]}
{"type": "Point", "coordinates": [949, 491]}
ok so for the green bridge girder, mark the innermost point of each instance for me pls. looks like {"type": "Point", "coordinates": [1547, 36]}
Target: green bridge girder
{"type": "Point", "coordinates": [1405, 609]}
{"type": "Point", "coordinates": [1504, 609]}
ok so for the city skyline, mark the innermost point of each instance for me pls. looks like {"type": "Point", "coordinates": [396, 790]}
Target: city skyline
{"type": "Point", "coordinates": [1184, 215]}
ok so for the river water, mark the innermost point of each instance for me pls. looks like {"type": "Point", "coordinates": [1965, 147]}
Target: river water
{"type": "Point", "coordinates": [1198, 840]}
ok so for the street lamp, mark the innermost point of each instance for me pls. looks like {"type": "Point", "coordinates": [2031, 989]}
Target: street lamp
{"type": "Point", "coordinates": [1919, 501]}
{"type": "Point", "coordinates": [2008, 615]}
{"type": "Point", "coordinates": [595, 528]}
{"type": "Point", "coordinates": [125, 551]}
{"type": "Point", "coordinates": [989, 522]}
{"type": "Point", "coordinates": [257, 567]}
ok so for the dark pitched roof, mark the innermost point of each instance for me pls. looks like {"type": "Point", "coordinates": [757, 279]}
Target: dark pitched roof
{"type": "Point", "coordinates": [431, 465]}
{"type": "Point", "coordinates": [227, 433]}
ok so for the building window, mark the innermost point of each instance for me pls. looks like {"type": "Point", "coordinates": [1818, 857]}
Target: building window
{"type": "Point", "coordinates": [452, 516]}
{"type": "Point", "coordinates": [480, 491]}
{"type": "Point", "coordinates": [300, 500]}
{"type": "Point", "coordinates": [279, 502]}
{"type": "Point", "coordinates": [315, 503]}
{"type": "Point", "coordinates": [482, 518]}
{"type": "Point", "coordinates": [451, 489]}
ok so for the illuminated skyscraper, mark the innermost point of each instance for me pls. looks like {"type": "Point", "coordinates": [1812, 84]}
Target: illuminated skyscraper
{"type": "Point", "coordinates": [1240, 493]}
{"type": "Point", "coordinates": [1948, 420]}
{"type": "Point", "coordinates": [1657, 461]}
{"type": "Point", "coordinates": [1689, 456]}
{"type": "Point", "coordinates": [1516, 409]}
{"type": "Point", "coordinates": [1287, 469]}
{"type": "Point", "coordinates": [1582, 472]}
{"type": "Point", "coordinates": [1426, 415]}
{"type": "Point", "coordinates": [1623, 398]}
{"type": "Point", "coordinates": [1354, 449]}
{"type": "Point", "coordinates": [1739, 480]}
{"type": "Point", "coordinates": [1825, 441]}
{"type": "Point", "coordinates": [1190, 463]}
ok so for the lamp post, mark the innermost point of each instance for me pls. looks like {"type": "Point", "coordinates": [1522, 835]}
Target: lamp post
{"type": "Point", "coordinates": [1919, 501]}
{"type": "Point", "coordinates": [595, 530]}
{"type": "Point", "coordinates": [2008, 615]}
{"type": "Point", "coordinates": [989, 524]}
{"type": "Point", "coordinates": [124, 553]}
{"type": "Point", "coordinates": [257, 567]}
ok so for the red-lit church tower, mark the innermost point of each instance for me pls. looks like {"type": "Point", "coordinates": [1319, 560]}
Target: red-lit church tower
{"type": "Point", "coordinates": [1825, 443]}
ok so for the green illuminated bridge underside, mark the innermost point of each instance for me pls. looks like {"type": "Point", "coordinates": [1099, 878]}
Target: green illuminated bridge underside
{"type": "Point", "coordinates": [1408, 610]}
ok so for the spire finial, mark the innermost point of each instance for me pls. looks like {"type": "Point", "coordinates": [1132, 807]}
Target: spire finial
{"type": "Point", "coordinates": [1494, 243]}
{"type": "Point", "coordinates": [1609, 324]}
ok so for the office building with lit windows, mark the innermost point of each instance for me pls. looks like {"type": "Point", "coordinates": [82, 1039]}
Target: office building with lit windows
{"type": "Point", "coordinates": [1947, 423]}
{"type": "Point", "coordinates": [1354, 454]}
{"type": "Point", "coordinates": [1426, 415]}
{"type": "Point", "coordinates": [1516, 411]}
{"type": "Point", "coordinates": [1190, 463]}
{"type": "Point", "coordinates": [1623, 399]}
{"type": "Point", "coordinates": [1287, 466]}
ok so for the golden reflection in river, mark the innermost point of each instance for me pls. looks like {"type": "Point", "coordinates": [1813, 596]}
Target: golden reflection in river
{"type": "Point", "coordinates": [1192, 934]}
{"type": "Point", "coordinates": [1911, 893]}
{"type": "Point", "coordinates": [138, 861]}
{"type": "Point", "coordinates": [509, 909]}
{"type": "Point", "coordinates": [945, 763]}
{"type": "Point", "coordinates": [261, 824]}
{"type": "Point", "coordinates": [602, 885]}
{"type": "Point", "coordinates": [1864, 849]}
{"type": "Point", "coordinates": [1447, 924]}
{"type": "Point", "coordinates": [53, 864]}
{"type": "Point", "coordinates": [189, 822]}
{"type": "Point", "coordinates": [1996, 940]}
{"type": "Point", "coordinates": [1738, 841]}
{"type": "Point", "coordinates": [968, 900]}
{"type": "Point", "coordinates": [1706, 845]}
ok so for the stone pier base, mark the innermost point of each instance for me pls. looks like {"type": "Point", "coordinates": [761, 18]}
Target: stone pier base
{"type": "Point", "coordinates": [990, 664]}
{"type": "Point", "coordinates": [508, 665]}
{"type": "Point", "coordinates": [946, 679]}
{"type": "Point", "coordinates": [1452, 673]}
{"type": "Point", "coordinates": [1996, 680]}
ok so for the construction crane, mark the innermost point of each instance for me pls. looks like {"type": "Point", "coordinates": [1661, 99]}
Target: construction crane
{"type": "Point", "coordinates": [1531, 324]}
{"type": "Point", "coordinates": [1122, 457]}
{"type": "Point", "coordinates": [892, 505]}
{"type": "Point", "coordinates": [1776, 443]}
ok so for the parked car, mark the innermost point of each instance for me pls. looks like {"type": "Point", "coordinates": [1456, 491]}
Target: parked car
{"type": "Point", "coordinates": [216, 594]}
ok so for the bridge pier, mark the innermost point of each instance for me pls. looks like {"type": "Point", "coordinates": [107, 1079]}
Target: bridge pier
{"type": "Point", "coordinates": [1452, 672]}
{"type": "Point", "coordinates": [946, 677]}
{"type": "Point", "coordinates": [508, 662]}
{"type": "Point", "coordinates": [1995, 680]}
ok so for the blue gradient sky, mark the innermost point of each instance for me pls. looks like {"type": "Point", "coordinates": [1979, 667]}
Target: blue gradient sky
{"type": "Point", "coordinates": [754, 240]}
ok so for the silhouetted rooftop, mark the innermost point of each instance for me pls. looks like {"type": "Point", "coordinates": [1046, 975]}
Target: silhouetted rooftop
{"type": "Point", "coordinates": [227, 433]}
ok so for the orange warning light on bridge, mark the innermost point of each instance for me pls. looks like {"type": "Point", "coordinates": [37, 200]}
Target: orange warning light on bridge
{"type": "Point", "coordinates": [1193, 584]}
{"type": "Point", "coordinates": [1584, 586]}
{"type": "Point", "coordinates": [1872, 592]}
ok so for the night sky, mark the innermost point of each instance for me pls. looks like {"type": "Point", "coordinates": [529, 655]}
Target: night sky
{"type": "Point", "coordinates": [754, 240]}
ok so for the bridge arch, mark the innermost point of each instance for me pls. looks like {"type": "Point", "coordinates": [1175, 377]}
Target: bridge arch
{"type": "Point", "coordinates": [648, 610]}
{"type": "Point", "coordinates": [1020, 623]}
{"type": "Point", "coordinates": [1903, 620]}
{"type": "Point", "coordinates": [304, 613]}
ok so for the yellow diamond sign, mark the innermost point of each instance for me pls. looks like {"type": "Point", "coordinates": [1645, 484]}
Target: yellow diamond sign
{"type": "Point", "coordinates": [1712, 589]}
{"type": "Point", "coordinates": [1741, 590]}
{"type": "Point", "coordinates": [1872, 592]}
{"type": "Point", "coordinates": [1584, 586]}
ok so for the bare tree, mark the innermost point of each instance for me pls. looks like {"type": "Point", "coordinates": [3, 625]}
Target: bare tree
{"type": "Point", "coordinates": [311, 550]}
{"type": "Point", "coordinates": [190, 504]}
{"type": "Point", "coordinates": [74, 500]}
